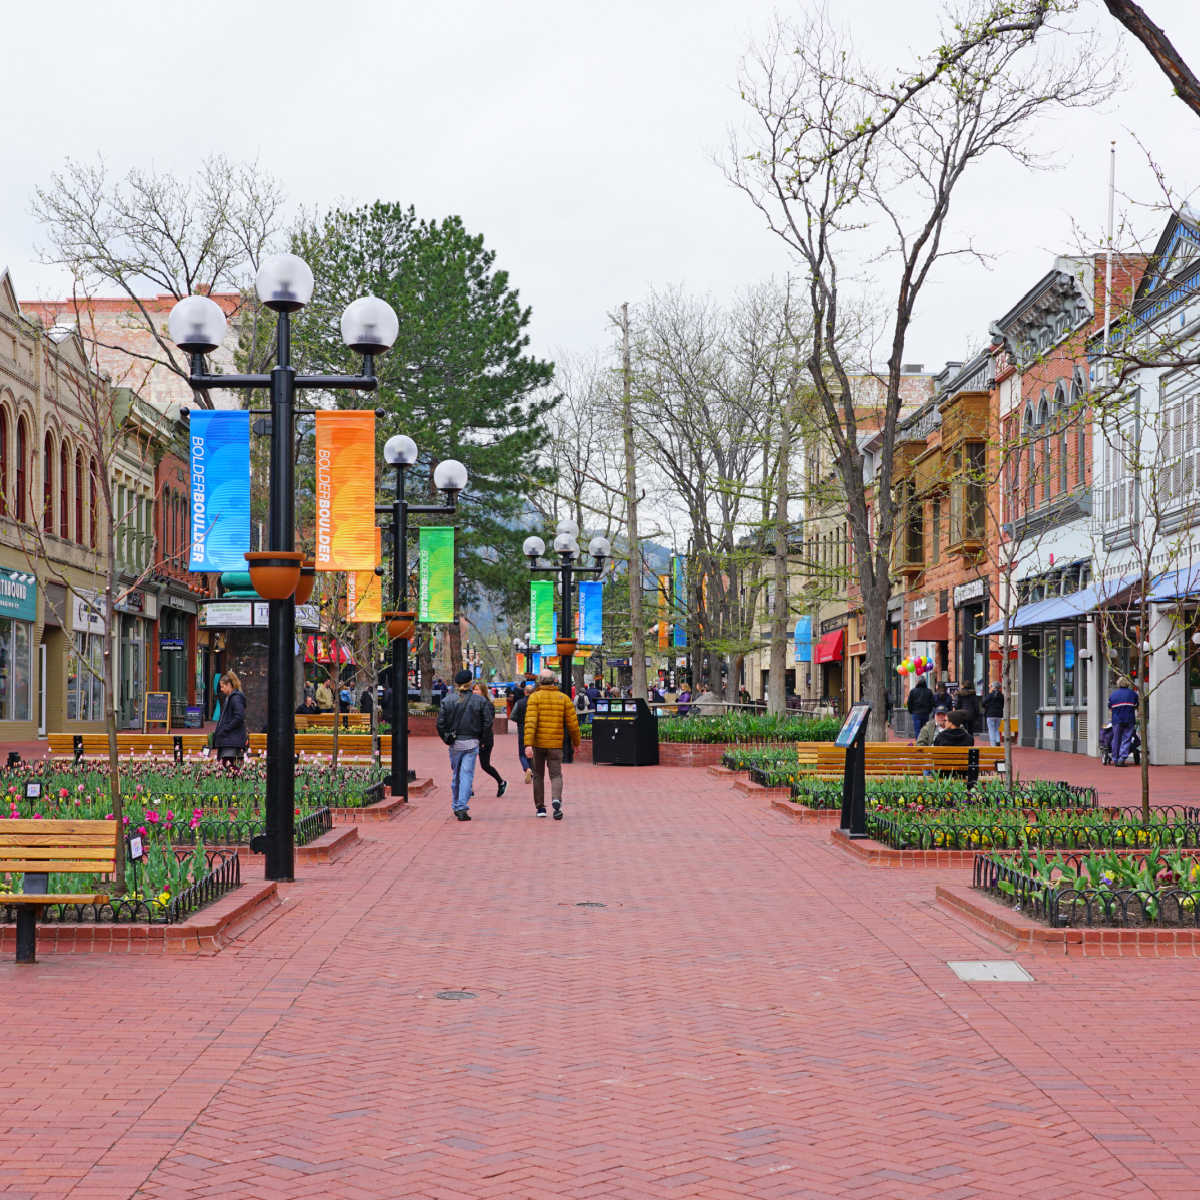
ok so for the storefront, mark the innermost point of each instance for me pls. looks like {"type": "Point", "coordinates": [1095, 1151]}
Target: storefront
{"type": "Point", "coordinates": [176, 655]}
{"type": "Point", "coordinates": [829, 655]}
{"type": "Point", "coordinates": [135, 631]}
{"type": "Point", "coordinates": [85, 659]}
{"type": "Point", "coordinates": [970, 616]}
{"type": "Point", "coordinates": [18, 614]}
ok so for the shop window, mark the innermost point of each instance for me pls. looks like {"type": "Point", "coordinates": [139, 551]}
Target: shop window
{"type": "Point", "coordinates": [935, 530]}
{"type": "Point", "coordinates": [79, 496]}
{"type": "Point", "coordinates": [85, 681]}
{"type": "Point", "coordinates": [3, 461]}
{"type": "Point", "coordinates": [16, 670]}
{"type": "Point", "coordinates": [1051, 665]}
{"type": "Point", "coordinates": [64, 477]}
{"type": "Point", "coordinates": [1069, 657]}
{"type": "Point", "coordinates": [92, 496]}
{"type": "Point", "coordinates": [1080, 431]}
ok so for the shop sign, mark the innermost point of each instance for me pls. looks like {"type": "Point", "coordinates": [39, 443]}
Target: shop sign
{"type": "Point", "coordinates": [134, 602]}
{"type": "Point", "coordinates": [308, 616]}
{"type": "Point", "coordinates": [170, 643]}
{"type": "Point", "coordinates": [964, 593]}
{"type": "Point", "coordinates": [920, 608]}
{"type": "Point", "coordinates": [18, 595]}
{"type": "Point", "coordinates": [834, 623]}
{"type": "Point", "coordinates": [87, 613]}
{"type": "Point", "coordinates": [227, 614]}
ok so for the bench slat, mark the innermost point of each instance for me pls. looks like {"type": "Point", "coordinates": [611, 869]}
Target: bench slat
{"type": "Point", "coordinates": [61, 827]}
{"type": "Point", "coordinates": [57, 898]}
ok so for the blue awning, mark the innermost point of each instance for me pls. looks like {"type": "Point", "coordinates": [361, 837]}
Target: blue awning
{"type": "Point", "coordinates": [1066, 608]}
{"type": "Point", "coordinates": [1176, 585]}
{"type": "Point", "coordinates": [1027, 614]}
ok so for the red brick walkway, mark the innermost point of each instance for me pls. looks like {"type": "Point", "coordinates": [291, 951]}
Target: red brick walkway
{"type": "Point", "coordinates": [752, 1014]}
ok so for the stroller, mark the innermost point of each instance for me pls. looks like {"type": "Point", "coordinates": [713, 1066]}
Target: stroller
{"type": "Point", "coordinates": [1106, 745]}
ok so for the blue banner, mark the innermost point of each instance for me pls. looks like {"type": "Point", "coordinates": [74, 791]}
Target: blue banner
{"type": "Point", "coordinates": [803, 639]}
{"type": "Point", "coordinates": [680, 603]}
{"type": "Point", "coordinates": [550, 649]}
{"type": "Point", "coordinates": [591, 612]}
{"type": "Point", "coordinates": [219, 469]}
{"type": "Point", "coordinates": [536, 662]}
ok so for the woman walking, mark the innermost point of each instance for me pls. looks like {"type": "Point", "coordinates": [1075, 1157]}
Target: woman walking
{"type": "Point", "coordinates": [486, 743]}
{"type": "Point", "coordinates": [229, 737]}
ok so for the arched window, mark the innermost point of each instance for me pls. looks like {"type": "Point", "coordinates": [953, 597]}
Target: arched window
{"type": "Point", "coordinates": [79, 496]}
{"type": "Point", "coordinates": [1064, 426]}
{"type": "Point", "coordinates": [3, 461]}
{"type": "Point", "coordinates": [48, 484]}
{"type": "Point", "coordinates": [64, 476]}
{"type": "Point", "coordinates": [1046, 434]}
{"type": "Point", "coordinates": [1030, 475]}
{"type": "Point", "coordinates": [21, 507]}
{"type": "Point", "coordinates": [92, 491]}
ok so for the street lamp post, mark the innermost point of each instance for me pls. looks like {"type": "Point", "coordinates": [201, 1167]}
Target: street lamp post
{"type": "Point", "coordinates": [284, 283]}
{"type": "Point", "coordinates": [567, 548]}
{"type": "Point", "coordinates": [450, 477]}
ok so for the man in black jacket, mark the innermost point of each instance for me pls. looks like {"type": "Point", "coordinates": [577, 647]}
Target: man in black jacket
{"type": "Point", "coordinates": [462, 722]}
{"type": "Point", "coordinates": [920, 705]}
{"type": "Point", "coordinates": [956, 733]}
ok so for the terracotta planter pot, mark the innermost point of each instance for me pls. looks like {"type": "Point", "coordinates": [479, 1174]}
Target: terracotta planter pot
{"type": "Point", "coordinates": [400, 624]}
{"type": "Point", "coordinates": [567, 647]}
{"type": "Point", "coordinates": [308, 579]}
{"type": "Point", "coordinates": [274, 574]}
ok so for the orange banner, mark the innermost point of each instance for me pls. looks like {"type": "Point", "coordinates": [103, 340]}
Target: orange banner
{"type": "Point", "coordinates": [664, 582]}
{"type": "Point", "coordinates": [364, 590]}
{"type": "Point", "coordinates": [346, 491]}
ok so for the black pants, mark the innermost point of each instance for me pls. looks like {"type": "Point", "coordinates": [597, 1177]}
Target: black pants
{"type": "Point", "coordinates": [485, 761]}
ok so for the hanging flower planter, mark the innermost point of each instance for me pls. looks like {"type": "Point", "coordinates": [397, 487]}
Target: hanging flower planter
{"type": "Point", "coordinates": [400, 624]}
{"type": "Point", "coordinates": [308, 580]}
{"type": "Point", "coordinates": [274, 574]}
{"type": "Point", "coordinates": [567, 647]}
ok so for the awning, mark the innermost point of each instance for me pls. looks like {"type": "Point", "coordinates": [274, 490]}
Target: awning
{"type": "Point", "coordinates": [1064, 608]}
{"type": "Point", "coordinates": [829, 648]}
{"type": "Point", "coordinates": [935, 630]}
{"type": "Point", "coordinates": [1176, 585]}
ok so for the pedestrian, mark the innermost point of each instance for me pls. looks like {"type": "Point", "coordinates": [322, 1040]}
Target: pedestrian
{"type": "Point", "coordinates": [1122, 703]}
{"type": "Point", "coordinates": [708, 704]}
{"type": "Point", "coordinates": [671, 701]}
{"type": "Point", "coordinates": [931, 729]}
{"type": "Point", "coordinates": [324, 697]}
{"type": "Point", "coordinates": [549, 721]}
{"type": "Point", "coordinates": [968, 702]}
{"type": "Point", "coordinates": [941, 695]}
{"type": "Point", "coordinates": [920, 705]}
{"type": "Point", "coordinates": [518, 715]}
{"type": "Point", "coordinates": [956, 733]}
{"type": "Point", "coordinates": [308, 706]}
{"type": "Point", "coordinates": [345, 699]}
{"type": "Point", "coordinates": [366, 701]}
{"type": "Point", "coordinates": [463, 720]}
{"type": "Point", "coordinates": [684, 703]}
{"type": "Point", "coordinates": [486, 744]}
{"type": "Point", "coordinates": [993, 712]}
{"type": "Point", "coordinates": [229, 738]}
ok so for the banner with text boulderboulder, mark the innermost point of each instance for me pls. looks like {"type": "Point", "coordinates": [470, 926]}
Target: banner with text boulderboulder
{"type": "Point", "coordinates": [541, 611]}
{"type": "Point", "coordinates": [680, 632]}
{"type": "Point", "coordinates": [803, 639]}
{"type": "Point", "coordinates": [664, 591]}
{"type": "Point", "coordinates": [436, 590]}
{"type": "Point", "coordinates": [345, 490]}
{"type": "Point", "coordinates": [591, 612]}
{"type": "Point", "coordinates": [219, 469]}
{"type": "Point", "coordinates": [364, 590]}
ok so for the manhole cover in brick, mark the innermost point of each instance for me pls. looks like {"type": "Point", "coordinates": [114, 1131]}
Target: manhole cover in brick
{"type": "Point", "coordinates": [452, 995]}
{"type": "Point", "coordinates": [589, 904]}
{"type": "Point", "coordinates": [996, 971]}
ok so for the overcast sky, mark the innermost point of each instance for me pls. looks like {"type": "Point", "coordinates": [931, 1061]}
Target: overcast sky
{"type": "Point", "coordinates": [578, 138]}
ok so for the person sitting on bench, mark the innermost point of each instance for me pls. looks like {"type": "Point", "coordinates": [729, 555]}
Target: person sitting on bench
{"type": "Point", "coordinates": [956, 732]}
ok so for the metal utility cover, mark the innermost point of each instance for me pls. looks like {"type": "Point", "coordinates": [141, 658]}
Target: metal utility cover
{"type": "Point", "coordinates": [1002, 971]}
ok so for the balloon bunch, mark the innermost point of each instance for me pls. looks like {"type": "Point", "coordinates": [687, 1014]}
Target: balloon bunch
{"type": "Point", "coordinates": [914, 666]}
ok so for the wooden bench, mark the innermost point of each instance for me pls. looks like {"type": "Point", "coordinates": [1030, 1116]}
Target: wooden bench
{"type": "Point", "coordinates": [93, 747]}
{"type": "Point", "coordinates": [65, 847]}
{"type": "Point", "coordinates": [353, 748]}
{"type": "Point", "coordinates": [825, 760]}
{"type": "Point", "coordinates": [357, 721]}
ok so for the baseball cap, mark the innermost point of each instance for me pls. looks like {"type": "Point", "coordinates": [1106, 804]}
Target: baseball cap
{"type": "Point", "coordinates": [464, 676]}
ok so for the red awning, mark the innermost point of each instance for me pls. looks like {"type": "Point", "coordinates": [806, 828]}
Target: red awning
{"type": "Point", "coordinates": [936, 630]}
{"type": "Point", "coordinates": [829, 648]}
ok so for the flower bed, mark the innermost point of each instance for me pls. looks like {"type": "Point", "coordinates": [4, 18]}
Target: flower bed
{"type": "Point", "coordinates": [971, 827]}
{"type": "Point", "coordinates": [919, 794]}
{"type": "Point", "coordinates": [1143, 890]}
{"type": "Point", "coordinates": [748, 728]}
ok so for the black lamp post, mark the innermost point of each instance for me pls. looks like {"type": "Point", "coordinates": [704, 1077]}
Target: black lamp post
{"type": "Point", "coordinates": [284, 283]}
{"type": "Point", "coordinates": [450, 477]}
{"type": "Point", "coordinates": [567, 548]}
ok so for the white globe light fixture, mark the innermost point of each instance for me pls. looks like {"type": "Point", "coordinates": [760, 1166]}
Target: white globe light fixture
{"type": "Point", "coordinates": [196, 325]}
{"type": "Point", "coordinates": [566, 525]}
{"type": "Point", "coordinates": [599, 547]}
{"type": "Point", "coordinates": [565, 543]}
{"type": "Point", "coordinates": [450, 476]}
{"type": "Point", "coordinates": [284, 282]}
{"type": "Point", "coordinates": [400, 451]}
{"type": "Point", "coordinates": [533, 547]}
{"type": "Point", "coordinates": [370, 326]}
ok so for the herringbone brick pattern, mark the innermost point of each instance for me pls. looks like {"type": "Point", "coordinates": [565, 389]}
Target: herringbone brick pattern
{"type": "Point", "coordinates": [753, 1014]}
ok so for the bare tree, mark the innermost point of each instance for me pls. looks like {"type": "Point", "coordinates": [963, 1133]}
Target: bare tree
{"type": "Point", "coordinates": [1161, 49]}
{"type": "Point", "coordinates": [845, 181]}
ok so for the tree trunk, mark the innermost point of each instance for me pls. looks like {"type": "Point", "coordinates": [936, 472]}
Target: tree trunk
{"type": "Point", "coordinates": [637, 634]}
{"type": "Point", "coordinates": [425, 667]}
{"type": "Point", "coordinates": [776, 689]}
{"type": "Point", "coordinates": [454, 642]}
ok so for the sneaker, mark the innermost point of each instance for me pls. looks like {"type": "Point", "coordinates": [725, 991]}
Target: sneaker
{"type": "Point", "coordinates": [541, 810]}
{"type": "Point", "coordinates": [557, 806]}
{"type": "Point", "coordinates": [463, 816]}
{"type": "Point", "coordinates": [502, 788]}
{"type": "Point", "coordinates": [528, 775]}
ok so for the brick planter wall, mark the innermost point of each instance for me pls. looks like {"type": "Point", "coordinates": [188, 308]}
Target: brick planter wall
{"type": "Point", "coordinates": [425, 725]}
{"type": "Point", "coordinates": [674, 754]}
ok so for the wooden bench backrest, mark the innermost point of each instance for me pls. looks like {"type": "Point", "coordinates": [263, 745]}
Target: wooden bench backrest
{"type": "Point", "coordinates": [43, 846]}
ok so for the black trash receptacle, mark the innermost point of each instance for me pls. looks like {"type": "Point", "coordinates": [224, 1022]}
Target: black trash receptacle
{"type": "Point", "coordinates": [624, 733]}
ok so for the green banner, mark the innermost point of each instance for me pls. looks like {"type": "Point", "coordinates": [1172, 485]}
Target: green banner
{"type": "Point", "coordinates": [541, 612]}
{"type": "Point", "coordinates": [437, 575]}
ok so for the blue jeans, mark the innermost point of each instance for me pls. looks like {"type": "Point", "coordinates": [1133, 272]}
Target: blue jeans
{"type": "Point", "coordinates": [918, 721]}
{"type": "Point", "coordinates": [1122, 741]}
{"type": "Point", "coordinates": [462, 774]}
{"type": "Point", "coordinates": [994, 730]}
{"type": "Point", "coordinates": [526, 765]}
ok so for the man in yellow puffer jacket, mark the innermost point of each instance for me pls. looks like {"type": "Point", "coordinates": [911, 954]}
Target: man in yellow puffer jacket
{"type": "Point", "coordinates": [549, 719]}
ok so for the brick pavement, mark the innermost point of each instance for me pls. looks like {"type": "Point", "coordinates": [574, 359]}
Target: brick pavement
{"type": "Point", "coordinates": [753, 1014]}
